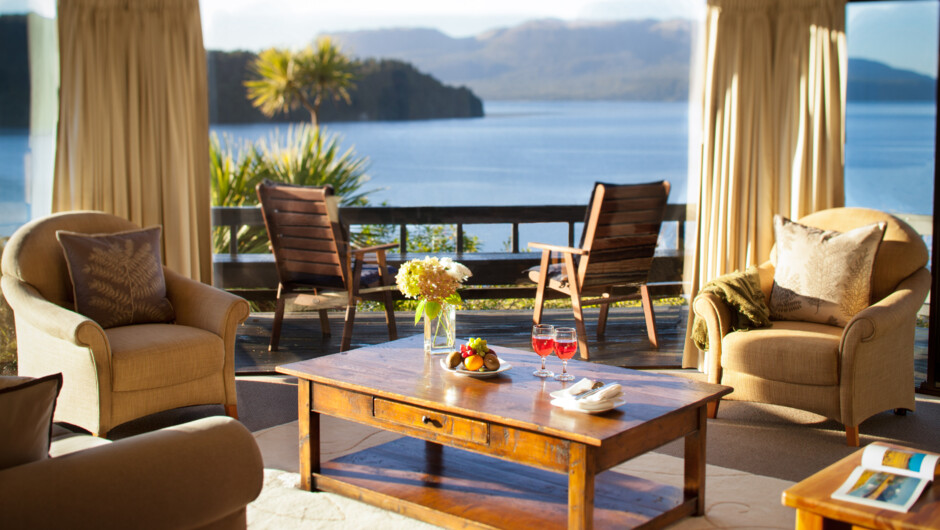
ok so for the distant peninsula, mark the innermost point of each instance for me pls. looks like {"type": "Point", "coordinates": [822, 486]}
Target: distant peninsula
{"type": "Point", "coordinates": [386, 89]}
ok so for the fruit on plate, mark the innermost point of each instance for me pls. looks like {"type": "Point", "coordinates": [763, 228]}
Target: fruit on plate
{"type": "Point", "coordinates": [454, 360]}
{"type": "Point", "coordinates": [476, 356]}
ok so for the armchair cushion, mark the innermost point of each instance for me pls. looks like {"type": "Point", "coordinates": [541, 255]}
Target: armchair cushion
{"type": "Point", "coordinates": [26, 421]}
{"type": "Point", "coordinates": [822, 276]}
{"type": "Point", "coordinates": [117, 278]}
{"type": "Point", "coordinates": [161, 355]}
{"type": "Point", "coordinates": [792, 352]}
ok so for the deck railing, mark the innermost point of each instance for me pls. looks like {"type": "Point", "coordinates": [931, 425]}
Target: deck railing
{"type": "Point", "coordinates": [236, 271]}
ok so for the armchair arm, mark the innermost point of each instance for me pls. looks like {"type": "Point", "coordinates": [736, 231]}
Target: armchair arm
{"type": "Point", "coordinates": [185, 476]}
{"type": "Point", "coordinates": [717, 316]}
{"type": "Point", "coordinates": [877, 352]}
{"type": "Point", "coordinates": [51, 319]}
{"type": "Point", "coordinates": [202, 306]}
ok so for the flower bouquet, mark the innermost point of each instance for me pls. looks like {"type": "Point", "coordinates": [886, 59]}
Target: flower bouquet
{"type": "Point", "coordinates": [434, 282]}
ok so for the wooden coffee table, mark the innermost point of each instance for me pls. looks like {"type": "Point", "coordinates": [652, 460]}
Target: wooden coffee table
{"type": "Point", "coordinates": [495, 452]}
{"type": "Point", "coordinates": [815, 508]}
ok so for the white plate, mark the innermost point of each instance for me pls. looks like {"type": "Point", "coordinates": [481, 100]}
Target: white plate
{"type": "Point", "coordinates": [503, 366]}
{"type": "Point", "coordinates": [574, 406]}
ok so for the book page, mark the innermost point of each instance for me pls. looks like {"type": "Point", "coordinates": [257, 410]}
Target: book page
{"type": "Point", "coordinates": [904, 462]}
{"type": "Point", "coordinates": [881, 489]}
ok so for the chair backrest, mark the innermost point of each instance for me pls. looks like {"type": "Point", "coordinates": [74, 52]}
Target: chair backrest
{"type": "Point", "coordinates": [306, 235]}
{"type": "Point", "coordinates": [901, 253]}
{"type": "Point", "coordinates": [621, 229]}
{"type": "Point", "coordinates": [33, 254]}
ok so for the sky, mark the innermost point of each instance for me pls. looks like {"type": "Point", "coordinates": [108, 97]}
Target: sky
{"type": "Point", "coordinates": [902, 34]}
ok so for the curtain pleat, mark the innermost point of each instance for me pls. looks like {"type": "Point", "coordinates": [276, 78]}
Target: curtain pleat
{"type": "Point", "coordinates": [772, 106]}
{"type": "Point", "coordinates": [133, 121]}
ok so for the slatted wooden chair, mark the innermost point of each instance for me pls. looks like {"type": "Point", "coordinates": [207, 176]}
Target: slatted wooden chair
{"type": "Point", "coordinates": [621, 228]}
{"type": "Point", "coordinates": [316, 265]}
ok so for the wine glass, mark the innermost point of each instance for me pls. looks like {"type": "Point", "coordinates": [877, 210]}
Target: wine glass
{"type": "Point", "coordinates": [543, 341]}
{"type": "Point", "coordinates": [566, 344]}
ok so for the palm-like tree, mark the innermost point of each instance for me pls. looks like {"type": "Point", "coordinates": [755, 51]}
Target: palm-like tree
{"type": "Point", "coordinates": [288, 80]}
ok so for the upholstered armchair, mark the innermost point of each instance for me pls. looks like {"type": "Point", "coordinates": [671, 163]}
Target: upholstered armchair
{"type": "Point", "coordinates": [843, 372]}
{"type": "Point", "coordinates": [116, 374]}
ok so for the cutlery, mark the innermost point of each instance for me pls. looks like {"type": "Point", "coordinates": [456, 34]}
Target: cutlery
{"type": "Point", "coordinates": [594, 389]}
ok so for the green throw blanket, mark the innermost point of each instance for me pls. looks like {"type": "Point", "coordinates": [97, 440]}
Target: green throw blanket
{"type": "Point", "coordinates": [741, 291]}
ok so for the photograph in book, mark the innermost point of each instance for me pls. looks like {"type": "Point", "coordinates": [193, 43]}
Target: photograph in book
{"type": "Point", "coordinates": [889, 478]}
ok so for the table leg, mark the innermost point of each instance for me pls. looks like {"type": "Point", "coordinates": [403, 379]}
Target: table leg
{"type": "Point", "coordinates": [581, 470]}
{"type": "Point", "coordinates": [695, 463]}
{"type": "Point", "coordinates": [309, 426]}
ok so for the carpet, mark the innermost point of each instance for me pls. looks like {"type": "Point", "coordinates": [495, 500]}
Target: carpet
{"type": "Point", "coordinates": [734, 499]}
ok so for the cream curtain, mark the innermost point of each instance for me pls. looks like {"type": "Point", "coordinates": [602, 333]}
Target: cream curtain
{"type": "Point", "coordinates": [134, 121]}
{"type": "Point", "coordinates": [772, 135]}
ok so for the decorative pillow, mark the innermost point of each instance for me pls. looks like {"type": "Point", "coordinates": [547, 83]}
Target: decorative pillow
{"type": "Point", "coordinates": [117, 278]}
{"type": "Point", "coordinates": [27, 405]}
{"type": "Point", "coordinates": [822, 276]}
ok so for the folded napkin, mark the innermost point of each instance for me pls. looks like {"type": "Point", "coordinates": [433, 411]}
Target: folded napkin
{"type": "Point", "coordinates": [600, 400]}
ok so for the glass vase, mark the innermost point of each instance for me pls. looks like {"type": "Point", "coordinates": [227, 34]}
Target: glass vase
{"type": "Point", "coordinates": [439, 332]}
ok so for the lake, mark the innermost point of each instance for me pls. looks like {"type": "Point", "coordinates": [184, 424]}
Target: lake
{"type": "Point", "coordinates": [552, 153]}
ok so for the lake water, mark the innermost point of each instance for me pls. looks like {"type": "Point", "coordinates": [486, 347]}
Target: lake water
{"type": "Point", "coordinates": [552, 153]}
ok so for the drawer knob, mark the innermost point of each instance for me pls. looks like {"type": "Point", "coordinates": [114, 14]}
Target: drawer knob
{"type": "Point", "coordinates": [426, 420]}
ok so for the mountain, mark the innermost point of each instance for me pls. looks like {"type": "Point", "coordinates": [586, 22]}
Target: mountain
{"type": "Point", "coordinates": [386, 89]}
{"type": "Point", "coordinates": [14, 72]}
{"type": "Point", "coordinates": [551, 59]}
{"type": "Point", "coordinates": [546, 59]}
{"type": "Point", "coordinates": [875, 81]}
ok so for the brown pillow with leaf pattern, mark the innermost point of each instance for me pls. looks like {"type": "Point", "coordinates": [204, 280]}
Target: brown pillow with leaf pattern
{"type": "Point", "coordinates": [822, 276]}
{"type": "Point", "coordinates": [117, 279]}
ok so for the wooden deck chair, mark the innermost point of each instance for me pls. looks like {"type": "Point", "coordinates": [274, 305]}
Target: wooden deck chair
{"type": "Point", "coordinates": [316, 265]}
{"type": "Point", "coordinates": [621, 228]}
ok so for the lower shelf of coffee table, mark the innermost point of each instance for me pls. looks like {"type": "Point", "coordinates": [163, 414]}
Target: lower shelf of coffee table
{"type": "Point", "coordinates": [451, 487]}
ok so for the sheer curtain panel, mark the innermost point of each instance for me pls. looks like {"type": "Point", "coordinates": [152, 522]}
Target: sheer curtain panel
{"type": "Point", "coordinates": [772, 130]}
{"type": "Point", "coordinates": [134, 122]}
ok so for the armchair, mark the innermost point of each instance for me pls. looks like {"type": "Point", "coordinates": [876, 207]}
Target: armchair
{"type": "Point", "coordinates": [200, 474]}
{"type": "Point", "coordinates": [845, 373]}
{"type": "Point", "coordinates": [114, 375]}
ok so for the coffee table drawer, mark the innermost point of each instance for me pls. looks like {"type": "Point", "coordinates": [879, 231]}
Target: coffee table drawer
{"type": "Point", "coordinates": [432, 421]}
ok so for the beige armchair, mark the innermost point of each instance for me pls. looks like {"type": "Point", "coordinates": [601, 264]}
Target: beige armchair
{"type": "Point", "coordinates": [121, 373]}
{"type": "Point", "coordinates": [200, 474]}
{"type": "Point", "coordinates": [845, 373]}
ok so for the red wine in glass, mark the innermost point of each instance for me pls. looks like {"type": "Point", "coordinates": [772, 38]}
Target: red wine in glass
{"type": "Point", "coordinates": [543, 342]}
{"type": "Point", "coordinates": [566, 345]}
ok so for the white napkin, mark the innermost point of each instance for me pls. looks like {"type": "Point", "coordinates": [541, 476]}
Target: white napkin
{"type": "Point", "coordinates": [601, 399]}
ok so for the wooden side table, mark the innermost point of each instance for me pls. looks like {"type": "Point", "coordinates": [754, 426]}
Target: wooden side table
{"type": "Point", "coordinates": [815, 509]}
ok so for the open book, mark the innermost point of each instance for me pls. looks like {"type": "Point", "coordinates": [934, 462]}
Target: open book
{"type": "Point", "coordinates": [888, 478]}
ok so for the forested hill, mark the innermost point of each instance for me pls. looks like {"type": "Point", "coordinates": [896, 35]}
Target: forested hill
{"type": "Point", "coordinates": [385, 90]}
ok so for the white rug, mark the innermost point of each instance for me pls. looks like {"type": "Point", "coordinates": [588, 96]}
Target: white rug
{"type": "Point", "coordinates": [735, 499]}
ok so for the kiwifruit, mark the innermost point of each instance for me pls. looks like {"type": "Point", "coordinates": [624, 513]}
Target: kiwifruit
{"type": "Point", "coordinates": [491, 362]}
{"type": "Point", "coordinates": [454, 359]}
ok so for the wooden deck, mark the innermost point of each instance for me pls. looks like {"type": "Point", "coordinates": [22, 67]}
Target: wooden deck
{"type": "Point", "coordinates": [624, 344]}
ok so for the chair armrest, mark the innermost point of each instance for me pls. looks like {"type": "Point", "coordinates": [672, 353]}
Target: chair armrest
{"type": "Point", "coordinates": [52, 319]}
{"type": "Point", "coordinates": [374, 248]}
{"type": "Point", "coordinates": [717, 316]}
{"type": "Point", "coordinates": [558, 248]}
{"type": "Point", "coordinates": [877, 352]}
{"type": "Point", "coordinates": [202, 306]}
{"type": "Point", "coordinates": [185, 476]}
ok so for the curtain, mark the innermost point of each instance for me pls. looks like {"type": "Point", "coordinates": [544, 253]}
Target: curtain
{"type": "Point", "coordinates": [771, 102]}
{"type": "Point", "coordinates": [133, 121]}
